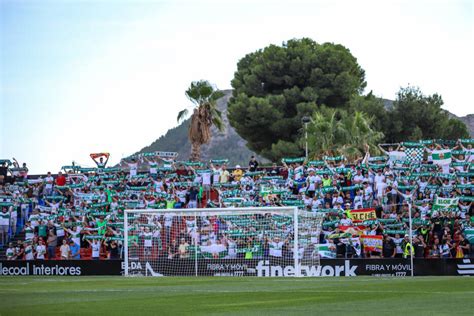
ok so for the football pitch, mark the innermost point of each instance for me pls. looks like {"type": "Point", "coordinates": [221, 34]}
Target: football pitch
{"type": "Point", "coordinates": [236, 296]}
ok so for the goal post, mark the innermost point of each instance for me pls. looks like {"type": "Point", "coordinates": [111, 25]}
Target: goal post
{"type": "Point", "coordinates": [248, 241]}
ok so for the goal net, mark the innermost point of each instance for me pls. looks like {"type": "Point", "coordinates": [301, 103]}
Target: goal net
{"type": "Point", "coordinates": [265, 241]}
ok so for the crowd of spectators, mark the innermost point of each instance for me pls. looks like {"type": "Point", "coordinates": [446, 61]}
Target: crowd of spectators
{"type": "Point", "coordinates": [78, 212]}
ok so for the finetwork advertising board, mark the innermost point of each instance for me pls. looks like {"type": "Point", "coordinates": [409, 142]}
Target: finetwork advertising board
{"type": "Point", "coordinates": [232, 267]}
{"type": "Point", "coordinates": [270, 268]}
{"type": "Point", "coordinates": [285, 268]}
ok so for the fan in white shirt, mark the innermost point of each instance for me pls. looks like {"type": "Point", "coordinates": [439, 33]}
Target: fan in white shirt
{"type": "Point", "coordinates": [469, 151]}
{"type": "Point", "coordinates": [133, 166]}
{"type": "Point", "coordinates": [307, 200]}
{"type": "Point", "coordinates": [337, 199]}
{"type": "Point", "coordinates": [379, 177]}
{"type": "Point", "coordinates": [276, 247]}
{"type": "Point", "coordinates": [424, 208]}
{"type": "Point", "coordinates": [40, 250]}
{"type": "Point", "coordinates": [358, 178]}
{"type": "Point", "coordinates": [345, 221]}
{"type": "Point", "coordinates": [316, 203]}
{"type": "Point", "coordinates": [216, 172]}
{"type": "Point", "coordinates": [380, 187]}
{"type": "Point", "coordinates": [359, 200]}
{"type": "Point", "coordinates": [311, 181]}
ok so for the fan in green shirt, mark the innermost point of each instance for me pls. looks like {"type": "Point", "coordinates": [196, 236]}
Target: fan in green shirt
{"type": "Point", "coordinates": [132, 240]}
{"type": "Point", "coordinates": [42, 230]}
{"type": "Point", "coordinates": [101, 226]}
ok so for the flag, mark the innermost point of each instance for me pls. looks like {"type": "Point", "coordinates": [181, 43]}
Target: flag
{"type": "Point", "coordinates": [445, 203]}
{"type": "Point", "coordinates": [441, 157]}
{"type": "Point", "coordinates": [98, 155]}
{"type": "Point", "coordinates": [350, 230]}
{"type": "Point", "coordinates": [324, 251]}
{"type": "Point", "coordinates": [363, 214]}
{"type": "Point", "coordinates": [372, 242]}
{"type": "Point", "coordinates": [396, 155]}
{"type": "Point", "coordinates": [354, 242]}
{"type": "Point", "coordinates": [214, 251]}
{"type": "Point", "coordinates": [414, 153]}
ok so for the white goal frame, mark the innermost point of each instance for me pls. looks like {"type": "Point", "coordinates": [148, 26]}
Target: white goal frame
{"type": "Point", "coordinates": [294, 211]}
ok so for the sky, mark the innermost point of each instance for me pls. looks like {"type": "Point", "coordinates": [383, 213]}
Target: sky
{"type": "Point", "coordinates": [78, 77]}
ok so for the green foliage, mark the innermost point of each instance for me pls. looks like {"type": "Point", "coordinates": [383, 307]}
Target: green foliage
{"type": "Point", "coordinates": [375, 109]}
{"type": "Point", "coordinates": [454, 129]}
{"type": "Point", "coordinates": [416, 116]}
{"type": "Point", "coordinates": [275, 87]}
{"type": "Point", "coordinates": [201, 92]}
{"type": "Point", "coordinates": [339, 132]}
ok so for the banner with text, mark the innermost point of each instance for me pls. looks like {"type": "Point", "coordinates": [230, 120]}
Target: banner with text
{"type": "Point", "coordinates": [363, 214]}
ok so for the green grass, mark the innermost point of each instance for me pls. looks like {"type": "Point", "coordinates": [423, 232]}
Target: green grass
{"type": "Point", "coordinates": [236, 296]}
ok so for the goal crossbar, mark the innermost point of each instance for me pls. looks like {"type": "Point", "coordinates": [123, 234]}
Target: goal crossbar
{"type": "Point", "coordinates": [291, 211]}
{"type": "Point", "coordinates": [215, 210]}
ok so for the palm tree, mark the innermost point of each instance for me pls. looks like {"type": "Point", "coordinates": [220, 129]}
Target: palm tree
{"type": "Point", "coordinates": [360, 134]}
{"type": "Point", "coordinates": [337, 132]}
{"type": "Point", "coordinates": [326, 132]}
{"type": "Point", "coordinates": [205, 114]}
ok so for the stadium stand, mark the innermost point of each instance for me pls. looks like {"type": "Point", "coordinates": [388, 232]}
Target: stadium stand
{"type": "Point", "coordinates": [78, 213]}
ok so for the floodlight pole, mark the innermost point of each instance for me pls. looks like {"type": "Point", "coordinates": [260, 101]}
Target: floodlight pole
{"type": "Point", "coordinates": [306, 138]}
{"type": "Point", "coordinates": [305, 120]}
{"type": "Point", "coordinates": [412, 252]}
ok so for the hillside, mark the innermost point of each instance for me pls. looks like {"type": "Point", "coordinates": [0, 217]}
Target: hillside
{"type": "Point", "coordinates": [469, 121]}
{"type": "Point", "coordinates": [229, 144]}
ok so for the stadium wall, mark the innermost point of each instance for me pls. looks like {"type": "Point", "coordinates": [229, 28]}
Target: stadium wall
{"type": "Point", "coordinates": [252, 267]}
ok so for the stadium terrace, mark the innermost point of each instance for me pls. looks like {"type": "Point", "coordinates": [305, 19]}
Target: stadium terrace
{"type": "Point", "coordinates": [78, 213]}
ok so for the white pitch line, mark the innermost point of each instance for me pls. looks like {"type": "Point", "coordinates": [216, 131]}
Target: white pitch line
{"type": "Point", "coordinates": [234, 291]}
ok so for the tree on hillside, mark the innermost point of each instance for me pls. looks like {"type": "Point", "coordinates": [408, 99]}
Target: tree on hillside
{"type": "Point", "coordinates": [415, 116]}
{"type": "Point", "coordinates": [339, 132]}
{"type": "Point", "coordinates": [205, 114]}
{"type": "Point", "coordinates": [275, 87]}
